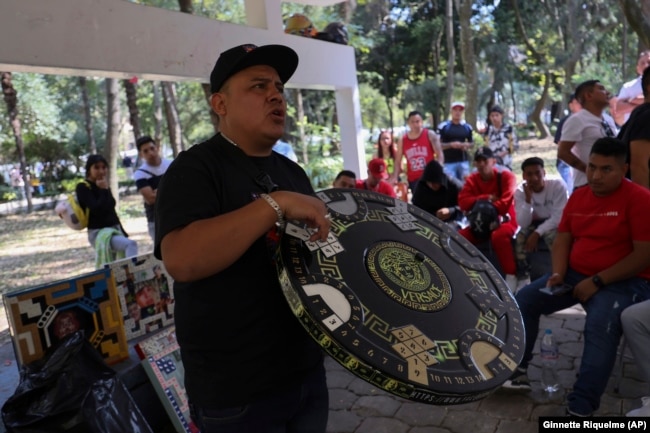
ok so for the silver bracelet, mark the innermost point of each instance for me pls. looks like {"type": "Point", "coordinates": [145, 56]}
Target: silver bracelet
{"type": "Point", "coordinates": [276, 207]}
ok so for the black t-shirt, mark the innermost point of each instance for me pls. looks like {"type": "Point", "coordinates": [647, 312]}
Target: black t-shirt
{"type": "Point", "coordinates": [101, 204]}
{"type": "Point", "coordinates": [637, 127]}
{"type": "Point", "coordinates": [450, 132]}
{"type": "Point", "coordinates": [239, 339]}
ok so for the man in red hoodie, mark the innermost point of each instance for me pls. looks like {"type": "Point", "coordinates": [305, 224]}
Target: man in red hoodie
{"type": "Point", "coordinates": [488, 199]}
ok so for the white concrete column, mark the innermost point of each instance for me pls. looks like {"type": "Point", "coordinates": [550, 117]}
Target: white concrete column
{"type": "Point", "coordinates": [264, 14]}
{"type": "Point", "coordinates": [349, 117]}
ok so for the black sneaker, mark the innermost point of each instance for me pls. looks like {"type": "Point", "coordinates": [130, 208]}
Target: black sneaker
{"type": "Point", "coordinates": [519, 380]}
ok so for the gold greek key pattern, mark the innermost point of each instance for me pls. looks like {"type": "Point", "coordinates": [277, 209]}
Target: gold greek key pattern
{"type": "Point", "coordinates": [329, 267]}
{"type": "Point", "coordinates": [377, 326]}
{"type": "Point", "coordinates": [445, 350]}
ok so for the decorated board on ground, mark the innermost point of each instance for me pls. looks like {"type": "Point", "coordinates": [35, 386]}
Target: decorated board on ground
{"type": "Point", "coordinates": [43, 315]}
{"type": "Point", "coordinates": [403, 301]}
{"type": "Point", "coordinates": [161, 359]}
{"type": "Point", "coordinates": [145, 294]}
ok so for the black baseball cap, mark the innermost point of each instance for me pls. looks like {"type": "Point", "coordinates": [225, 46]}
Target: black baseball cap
{"type": "Point", "coordinates": [483, 152]}
{"type": "Point", "coordinates": [281, 58]}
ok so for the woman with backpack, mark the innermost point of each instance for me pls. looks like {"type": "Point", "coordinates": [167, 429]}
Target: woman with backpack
{"type": "Point", "coordinates": [105, 232]}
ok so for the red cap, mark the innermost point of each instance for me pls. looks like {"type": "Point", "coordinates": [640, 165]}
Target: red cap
{"type": "Point", "coordinates": [377, 168]}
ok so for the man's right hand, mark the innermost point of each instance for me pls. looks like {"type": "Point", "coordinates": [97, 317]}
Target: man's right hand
{"type": "Point", "coordinates": [307, 209]}
{"type": "Point", "coordinates": [528, 192]}
{"type": "Point", "coordinates": [102, 183]}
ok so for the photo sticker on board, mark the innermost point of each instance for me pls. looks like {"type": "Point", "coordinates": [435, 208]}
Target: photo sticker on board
{"type": "Point", "coordinates": [145, 294]}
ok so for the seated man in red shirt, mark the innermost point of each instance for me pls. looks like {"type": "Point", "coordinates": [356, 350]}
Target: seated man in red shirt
{"type": "Point", "coordinates": [377, 176]}
{"type": "Point", "coordinates": [490, 189]}
{"type": "Point", "coordinates": [602, 250]}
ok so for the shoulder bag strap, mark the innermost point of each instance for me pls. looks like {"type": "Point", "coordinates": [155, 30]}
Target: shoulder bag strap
{"type": "Point", "coordinates": [262, 179]}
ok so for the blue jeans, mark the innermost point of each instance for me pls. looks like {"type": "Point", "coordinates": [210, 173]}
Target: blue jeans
{"type": "Point", "coordinates": [602, 330]}
{"type": "Point", "coordinates": [459, 170]}
{"type": "Point", "coordinates": [565, 172]}
{"type": "Point", "coordinates": [301, 409]}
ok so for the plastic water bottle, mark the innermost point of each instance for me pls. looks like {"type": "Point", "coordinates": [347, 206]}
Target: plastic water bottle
{"type": "Point", "coordinates": [549, 353]}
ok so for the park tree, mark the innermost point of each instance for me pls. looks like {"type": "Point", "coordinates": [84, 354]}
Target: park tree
{"type": "Point", "coordinates": [171, 114]}
{"type": "Point", "coordinates": [132, 105]}
{"type": "Point", "coordinates": [11, 99]}
{"type": "Point", "coordinates": [637, 13]}
{"type": "Point", "coordinates": [88, 119]}
{"type": "Point", "coordinates": [113, 122]}
{"type": "Point", "coordinates": [468, 56]}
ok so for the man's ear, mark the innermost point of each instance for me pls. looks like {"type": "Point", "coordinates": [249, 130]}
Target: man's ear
{"type": "Point", "coordinates": [217, 102]}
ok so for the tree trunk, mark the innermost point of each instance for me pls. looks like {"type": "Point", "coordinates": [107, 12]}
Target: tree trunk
{"type": "Point", "coordinates": [87, 117]}
{"type": "Point", "coordinates": [538, 58]}
{"type": "Point", "coordinates": [451, 55]}
{"type": "Point", "coordinates": [535, 116]}
{"type": "Point", "coordinates": [637, 14]}
{"type": "Point", "coordinates": [391, 115]}
{"type": "Point", "coordinates": [11, 99]}
{"type": "Point", "coordinates": [300, 114]}
{"type": "Point", "coordinates": [464, 8]}
{"type": "Point", "coordinates": [187, 7]}
{"type": "Point", "coordinates": [157, 113]}
{"type": "Point", "coordinates": [113, 121]}
{"type": "Point", "coordinates": [173, 122]}
{"type": "Point", "coordinates": [132, 104]}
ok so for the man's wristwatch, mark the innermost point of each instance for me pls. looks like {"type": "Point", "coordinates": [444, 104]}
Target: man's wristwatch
{"type": "Point", "coordinates": [598, 282]}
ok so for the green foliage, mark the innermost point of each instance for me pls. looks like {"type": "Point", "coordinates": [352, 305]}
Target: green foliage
{"type": "Point", "coordinates": [7, 193]}
{"type": "Point", "coordinates": [322, 171]}
{"type": "Point", "coordinates": [374, 112]}
{"type": "Point", "coordinates": [401, 58]}
{"type": "Point", "coordinates": [69, 185]}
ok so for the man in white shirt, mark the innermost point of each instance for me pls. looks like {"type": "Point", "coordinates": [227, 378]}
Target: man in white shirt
{"type": "Point", "coordinates": [539, 203]}
{"type": "Point", "coordinates": [148, 175]}
{"type": "Point", "coordinates": [583, 128]}
{"type": "Point", "coordinates": [631, 94]}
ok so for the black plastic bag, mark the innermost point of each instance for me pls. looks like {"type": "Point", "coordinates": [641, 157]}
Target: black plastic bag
{"type": "Point", "coordinates": [71, 390]}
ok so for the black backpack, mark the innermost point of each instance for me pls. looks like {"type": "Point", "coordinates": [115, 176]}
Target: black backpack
{"type": "Point", "coordinates": [483, 218]}
{"type": "Point", "coordinates": [334, 32]}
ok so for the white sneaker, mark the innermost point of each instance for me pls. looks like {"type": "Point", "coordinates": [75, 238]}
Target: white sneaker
{"type": "Point", "coordinates": [644, 410]}
{"type": "Point", "coordinates": [511, 282]}
{"type": "Point", "coordinates": [523, 283]}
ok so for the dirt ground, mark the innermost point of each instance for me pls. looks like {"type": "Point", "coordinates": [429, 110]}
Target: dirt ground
{"type": "Point", "coordinates": [39, 248]}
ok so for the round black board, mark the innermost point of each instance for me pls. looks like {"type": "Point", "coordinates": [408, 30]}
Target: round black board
{"type": "Point", "coordinates": [401, 300]}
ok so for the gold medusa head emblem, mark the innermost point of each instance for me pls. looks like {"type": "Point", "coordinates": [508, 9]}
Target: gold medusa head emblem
{"type": "Point", "coordinates": [401, 267]}
{"type": "Point", "coordinates": [408, 277]}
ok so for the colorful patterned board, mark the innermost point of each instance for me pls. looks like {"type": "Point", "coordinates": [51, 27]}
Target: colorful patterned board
{"type": "Point", "coordinates": [161, 359]}
{"type": "Point", "coordinates": [40, 316]}
{"type": "Point", "coordinates": [400, 299]}
{"type": "Point", "coordinates": [145, 293]}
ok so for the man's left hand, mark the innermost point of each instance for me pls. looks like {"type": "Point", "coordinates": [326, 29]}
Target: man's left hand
{"type": "Point", "coordinates": [584, 290]}
{"type": "Point", "coordinates": [531, 242]}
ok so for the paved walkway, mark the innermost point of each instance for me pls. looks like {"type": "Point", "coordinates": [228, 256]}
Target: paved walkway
{"type": "Point", "coordinates": [358, 407]}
